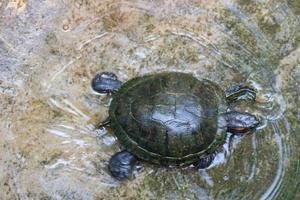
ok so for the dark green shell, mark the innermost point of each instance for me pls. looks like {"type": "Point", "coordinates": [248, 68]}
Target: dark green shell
{"type": "Point", "coordinates": [168, 118]}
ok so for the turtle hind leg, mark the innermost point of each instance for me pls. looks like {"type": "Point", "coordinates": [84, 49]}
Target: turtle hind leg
{"type": "Point", "coordinates": [121, 165]}
{"type": "Point", "coordinates": [106, 82]}
{"type": "Point", "coordinates": [240, 92]}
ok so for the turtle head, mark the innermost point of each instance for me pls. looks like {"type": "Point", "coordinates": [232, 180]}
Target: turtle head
{"type": "Point", "coordinates": [240, 122]}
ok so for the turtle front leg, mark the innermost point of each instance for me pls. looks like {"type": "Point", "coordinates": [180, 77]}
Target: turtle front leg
{"type": "Point", "coordinates": [240, 92]}
{"type": "Point", "coordinates": [121, 165]}
{"type": "Point", "coordinates": [205, 161]}
{"type": "Point", "coordinates": [106, 82]}
{"type": "Point", "coordinates": [240, 122]}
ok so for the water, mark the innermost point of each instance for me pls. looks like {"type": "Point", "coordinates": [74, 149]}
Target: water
{"type": "Point", "coordinates": [50, 50]}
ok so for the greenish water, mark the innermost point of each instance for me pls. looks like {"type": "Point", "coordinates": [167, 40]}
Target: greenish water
{"type": "Point", "coordinates": [50, 147]}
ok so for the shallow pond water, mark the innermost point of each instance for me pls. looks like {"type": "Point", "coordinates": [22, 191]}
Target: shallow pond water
{"type": "Point", "coordinates": [50, 145]}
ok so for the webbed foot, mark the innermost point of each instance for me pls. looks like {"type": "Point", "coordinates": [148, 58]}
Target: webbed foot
{"type": "Point", "coordinates": [240, 92]}
{"type": "Point", "coordinates": [121, 165]}
{"type": "Point", "coordinates": [106, 82]}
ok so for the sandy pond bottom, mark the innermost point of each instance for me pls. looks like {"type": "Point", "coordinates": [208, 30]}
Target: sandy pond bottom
{"type": "Point", "coordinates": [50, 146]}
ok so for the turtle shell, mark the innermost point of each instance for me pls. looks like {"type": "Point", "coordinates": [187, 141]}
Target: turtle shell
{"type": "Point", "coordinates": [168, 118]}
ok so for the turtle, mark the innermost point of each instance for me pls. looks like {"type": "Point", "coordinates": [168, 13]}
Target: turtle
{"type": "Point", "coordinates": [171, 119]}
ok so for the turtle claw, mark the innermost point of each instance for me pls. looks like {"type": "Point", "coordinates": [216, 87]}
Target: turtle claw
{"type": "Point", "coordinates": [240, 92]}
{"type": "Point", "coordinates": [104, 124]}
{"type": "Point", "coordinates": [121, 165]}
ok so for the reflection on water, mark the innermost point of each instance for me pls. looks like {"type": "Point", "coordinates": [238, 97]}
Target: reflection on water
{"type": "Point", "coordinates": [51, 50]}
